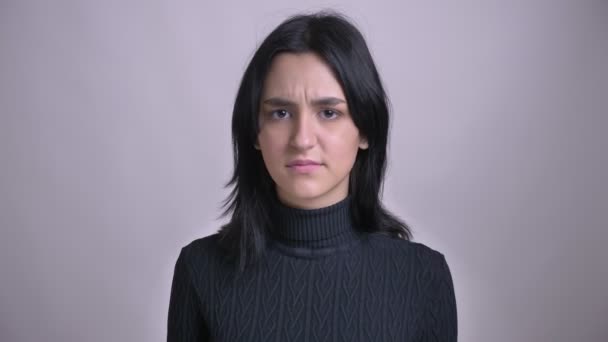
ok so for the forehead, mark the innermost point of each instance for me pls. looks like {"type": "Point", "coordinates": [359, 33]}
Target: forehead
{"type": "Point", "coordinates": [299, 74]}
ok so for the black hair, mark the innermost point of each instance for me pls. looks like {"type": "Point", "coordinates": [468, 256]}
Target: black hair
{"type": "Point", "coordinates": [335, 40]}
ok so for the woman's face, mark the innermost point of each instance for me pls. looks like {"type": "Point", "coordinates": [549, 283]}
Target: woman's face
{"type": "Point", "coordinates": [304, 116]}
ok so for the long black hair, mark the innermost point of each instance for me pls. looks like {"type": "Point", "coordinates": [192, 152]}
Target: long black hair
{"type": "Point", "coordinates": [338, 42]}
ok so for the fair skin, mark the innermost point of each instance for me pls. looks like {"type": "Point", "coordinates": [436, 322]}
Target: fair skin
{"type": "Point", "coordinates": [304, 115]}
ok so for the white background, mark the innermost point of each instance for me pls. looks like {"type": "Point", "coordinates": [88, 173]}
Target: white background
{"type": "Point", "coordinates": [115, 144]}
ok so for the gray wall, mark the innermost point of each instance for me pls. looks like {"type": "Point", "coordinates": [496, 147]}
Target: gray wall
{"type": "Point", "coordinates": [114, 145]}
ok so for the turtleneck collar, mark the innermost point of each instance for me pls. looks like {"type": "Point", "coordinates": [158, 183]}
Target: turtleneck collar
{"type": "Point", "coordinates": [313, 232]}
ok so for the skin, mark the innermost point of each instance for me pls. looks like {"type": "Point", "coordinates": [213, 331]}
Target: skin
{"type": "Point", "coordinates": [304, 115]}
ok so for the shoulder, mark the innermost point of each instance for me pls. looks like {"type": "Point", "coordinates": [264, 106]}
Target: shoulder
{"type": "Point", "coordinates": [203, 244]}
{"type": "Point", "coordinates": [416, 261]}
{"type": "Point", "coordinates": [412, 248]}
{"type": "Point", "coordinates": [200, 252]}
{"type": "Point", "coordinates": [416, 254]}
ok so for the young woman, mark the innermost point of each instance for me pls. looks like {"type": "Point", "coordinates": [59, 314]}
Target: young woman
{"type": "Point", "coordinates": [310, 253]}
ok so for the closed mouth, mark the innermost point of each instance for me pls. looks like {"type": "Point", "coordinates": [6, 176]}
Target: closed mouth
{"type": "Point", "coordinates": [303, 163]}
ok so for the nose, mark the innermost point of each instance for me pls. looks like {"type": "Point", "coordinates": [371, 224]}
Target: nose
{"type": "Point", "coordinates": [303, 135]}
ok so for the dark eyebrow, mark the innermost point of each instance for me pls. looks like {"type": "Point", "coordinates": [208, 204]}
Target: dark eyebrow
{"type": "Point", "coordinates": [322, 101]}
{"type": "Point", "coordinates": [279, 102]}
{"type": "Point", "coordinates": [327, 101]}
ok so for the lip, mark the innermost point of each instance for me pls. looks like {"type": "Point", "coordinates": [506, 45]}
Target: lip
{"type": "Point", "coordinates": [304, 169]}
{"type": "Point", "coordinates": [302, 162]}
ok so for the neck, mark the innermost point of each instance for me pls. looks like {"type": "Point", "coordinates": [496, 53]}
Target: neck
{"type": "Point", "coordinates": [311, 203]}
{"type": "Point", "coordinates": [313, 232]}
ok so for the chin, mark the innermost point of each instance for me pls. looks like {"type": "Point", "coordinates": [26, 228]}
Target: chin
{"type": "Point", "coordinates": [303, 193]}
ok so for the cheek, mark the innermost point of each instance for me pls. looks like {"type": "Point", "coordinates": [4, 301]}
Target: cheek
{"type": "Point", "coordinates": [343, 152]}
{"type": "Point", "coordinates": [271, 146]}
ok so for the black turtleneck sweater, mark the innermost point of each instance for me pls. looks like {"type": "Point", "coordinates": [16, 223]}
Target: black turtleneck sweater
{"type": "Point", "coordinates": [320, 280]}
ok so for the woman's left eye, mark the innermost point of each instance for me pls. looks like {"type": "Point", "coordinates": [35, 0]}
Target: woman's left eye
{"type": "Point", "coordinates": [329, 113]}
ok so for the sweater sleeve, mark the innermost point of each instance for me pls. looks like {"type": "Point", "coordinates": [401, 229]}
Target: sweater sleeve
{"type": "Point", "coordinates": [185, 321]}
{"type": "Point", "coordinates": [441, 323]}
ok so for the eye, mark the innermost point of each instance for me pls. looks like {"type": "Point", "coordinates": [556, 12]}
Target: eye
{"type": "Point", "coordinates": [279, 114]}
{"type": "Point", "coordinates": [329, 114]}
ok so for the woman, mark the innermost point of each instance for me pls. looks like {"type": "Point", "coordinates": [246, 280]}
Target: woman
{"type": "Point", "coordinates": [310, 253]}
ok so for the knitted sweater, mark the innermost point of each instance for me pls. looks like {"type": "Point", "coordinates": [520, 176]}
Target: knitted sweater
{"type": "Point", "coordinates": [320, 280]}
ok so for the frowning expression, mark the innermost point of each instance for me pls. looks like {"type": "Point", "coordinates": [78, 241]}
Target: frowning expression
{"type": "Point", "coordinates": [307, 137]}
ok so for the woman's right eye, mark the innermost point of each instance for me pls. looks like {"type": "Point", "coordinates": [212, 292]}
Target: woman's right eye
{"type": "Point", "coordinates": [279, 114]}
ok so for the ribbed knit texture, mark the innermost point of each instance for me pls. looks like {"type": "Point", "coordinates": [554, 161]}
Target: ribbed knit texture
{"type": "Point", "coordinates": [321, 280]}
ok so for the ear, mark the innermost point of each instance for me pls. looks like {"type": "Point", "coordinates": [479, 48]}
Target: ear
{"type": "Point", "coordinates": [256, 145]}
{"type": "Point", "coordinates": [363, 144]}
